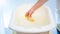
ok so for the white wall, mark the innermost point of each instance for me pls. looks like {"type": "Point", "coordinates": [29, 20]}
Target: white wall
{"type": "Point", "coordinates": [1, 17]}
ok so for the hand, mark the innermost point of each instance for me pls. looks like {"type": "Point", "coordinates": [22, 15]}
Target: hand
{"type": "Point", "coordinates": [29, 13]}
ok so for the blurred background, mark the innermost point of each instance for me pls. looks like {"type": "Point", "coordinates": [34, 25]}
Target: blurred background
{"type": "Point", "coordinates": [6, 7]}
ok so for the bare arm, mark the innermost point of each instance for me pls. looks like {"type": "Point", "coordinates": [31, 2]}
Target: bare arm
{"type": "Point", "coordinates": [35, 7]}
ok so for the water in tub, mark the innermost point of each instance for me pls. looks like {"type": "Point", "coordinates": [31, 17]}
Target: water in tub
{"type": "Point", "coordinates": [39, 18]}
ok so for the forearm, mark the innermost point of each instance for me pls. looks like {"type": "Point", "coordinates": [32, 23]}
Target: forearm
{"type": "Point", "coordinates": [35, 7]}
{"type": "Point", "coordinates": [38, 4]}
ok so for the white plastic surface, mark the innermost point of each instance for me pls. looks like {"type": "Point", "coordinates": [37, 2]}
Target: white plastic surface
{"type": "Point", "coordinates": [34, 30]}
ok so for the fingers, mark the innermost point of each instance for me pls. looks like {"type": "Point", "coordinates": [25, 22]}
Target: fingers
{"type": "Point", "coordinates": [29, 16]}
{"type": "Point", "coordinates": [29, 13]}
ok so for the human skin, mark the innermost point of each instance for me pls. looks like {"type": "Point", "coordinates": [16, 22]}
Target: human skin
{"type": "Point", "coordinates": [37, 5]}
